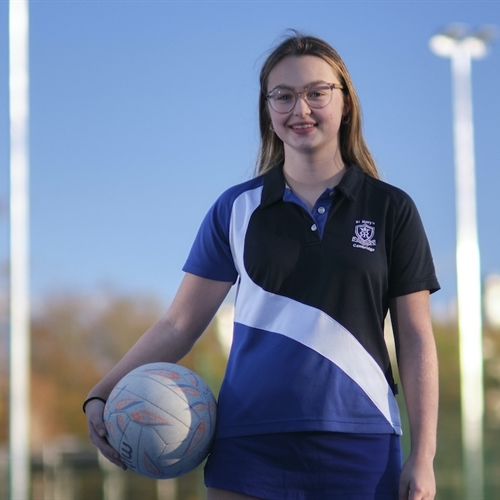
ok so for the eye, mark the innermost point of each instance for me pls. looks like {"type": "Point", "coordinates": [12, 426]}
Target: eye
{"type": "Point", "coordinates": [318, 93]}
{"type": "Point", "coordinates": [282, 96]}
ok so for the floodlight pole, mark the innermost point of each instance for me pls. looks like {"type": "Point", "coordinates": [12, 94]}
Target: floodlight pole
{"type": "Point", "coordinates": [19, 442]}
{"type": "Point", "coordinates": [461, 48]}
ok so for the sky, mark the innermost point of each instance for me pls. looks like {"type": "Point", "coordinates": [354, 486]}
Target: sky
{"type": "Point", "coordinates": [143, 112]}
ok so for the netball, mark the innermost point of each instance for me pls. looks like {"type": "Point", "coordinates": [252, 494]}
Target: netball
{"type": "Point", "coordinates": [160, 418]}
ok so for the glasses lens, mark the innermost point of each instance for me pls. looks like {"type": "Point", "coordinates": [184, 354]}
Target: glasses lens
{"type": "Point", "coordinates": [282, 100]}
{"type": "Point", "coordinates": [319, 96]}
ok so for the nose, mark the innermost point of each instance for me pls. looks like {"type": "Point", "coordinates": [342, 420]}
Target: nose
{"type": "Point", "coordinates": [301, 107]}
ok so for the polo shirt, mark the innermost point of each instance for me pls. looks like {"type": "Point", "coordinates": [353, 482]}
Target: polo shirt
{"type": "Point", "coordinates": [308, 351]}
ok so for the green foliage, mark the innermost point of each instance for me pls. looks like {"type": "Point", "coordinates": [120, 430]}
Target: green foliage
{"type": "Point", "coordinates": [492, 417]}
{"type": "Point", "coordinates": [448, 462]}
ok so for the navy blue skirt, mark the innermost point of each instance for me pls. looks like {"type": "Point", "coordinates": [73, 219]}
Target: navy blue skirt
{"type": "Point", "coordinates": [307, 466]}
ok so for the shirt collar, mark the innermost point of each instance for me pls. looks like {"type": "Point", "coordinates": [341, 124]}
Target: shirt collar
{"type": "Point", "coordinates": [351, 182]}
{"type": "Point", "coordinates": [274, 184]}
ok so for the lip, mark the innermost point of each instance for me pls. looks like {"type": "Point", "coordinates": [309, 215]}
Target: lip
{"type": "Point", "coordinates": [302, 127]}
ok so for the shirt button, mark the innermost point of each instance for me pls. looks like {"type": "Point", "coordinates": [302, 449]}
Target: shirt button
{"type": "Point", "coordinates": [321, 210]}
{"type": "Point", "coordinates": [314, 227]}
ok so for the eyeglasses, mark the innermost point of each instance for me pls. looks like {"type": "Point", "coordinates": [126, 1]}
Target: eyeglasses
{"type": "Point", "coordinates": [317, 95]}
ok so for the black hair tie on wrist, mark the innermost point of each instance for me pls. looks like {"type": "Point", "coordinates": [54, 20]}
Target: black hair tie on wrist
{"type": "Point", "coordinates": [90, 399]}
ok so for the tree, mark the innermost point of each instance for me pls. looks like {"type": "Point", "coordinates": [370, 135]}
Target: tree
{"type": "Point", "coordinates": [76, 339]}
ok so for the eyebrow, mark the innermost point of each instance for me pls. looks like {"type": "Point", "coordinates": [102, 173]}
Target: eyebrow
{"type": "Point", "coordinates": [284, 86]}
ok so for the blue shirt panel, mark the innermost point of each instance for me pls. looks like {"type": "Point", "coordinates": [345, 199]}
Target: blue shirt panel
{"type": "Point", "coordinates": [320, 210]}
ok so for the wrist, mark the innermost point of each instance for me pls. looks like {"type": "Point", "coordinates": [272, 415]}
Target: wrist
{"type": "Point", "coordinates": [423, 455]}
{"type": "Point", "coordinates": [92, 398]}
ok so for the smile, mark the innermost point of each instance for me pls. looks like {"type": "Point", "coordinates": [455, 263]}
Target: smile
{"type": "Point", "coordinates": [302, 126]}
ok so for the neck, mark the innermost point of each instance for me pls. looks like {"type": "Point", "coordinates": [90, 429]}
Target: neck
{"type": "Point", "coordinates": [309, 180]}
{"type": "Point", "coordinates": [309, 171]}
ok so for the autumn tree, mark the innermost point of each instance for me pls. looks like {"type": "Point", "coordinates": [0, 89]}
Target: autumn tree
{"type": "Point", "coordinates": [76, 339]}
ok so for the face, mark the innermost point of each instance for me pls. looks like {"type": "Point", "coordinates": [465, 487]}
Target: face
{"type": "Point", "coordinates": [306, 129]}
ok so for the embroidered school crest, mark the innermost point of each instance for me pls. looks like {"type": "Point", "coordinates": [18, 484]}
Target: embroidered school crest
{"type": "Point", "coordinates": [364, 233]}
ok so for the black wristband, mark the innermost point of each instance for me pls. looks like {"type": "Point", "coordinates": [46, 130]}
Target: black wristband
{"type": "Point", "coordinates": [90, 399]}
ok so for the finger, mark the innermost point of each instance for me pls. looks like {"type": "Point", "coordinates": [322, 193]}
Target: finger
{"type": "Point", "coordinates": [403, 491]}
{"type": "Point", "coordinates": [110, 453]}
{"type": "Point", "coordinates": [114, 459]}
{"type": "Point", "coordinates": [100, 429]}
{"type": "Point", "coordinates": [98, 437]}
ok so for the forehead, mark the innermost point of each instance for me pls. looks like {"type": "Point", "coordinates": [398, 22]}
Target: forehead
{"type": "Point", "coordinates": [299, 71]}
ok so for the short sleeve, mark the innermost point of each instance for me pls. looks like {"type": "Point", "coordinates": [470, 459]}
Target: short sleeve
{"type": "Point", "coordinates": [210, 256]}
{"type": "Point", "coordinates": [411, 267]}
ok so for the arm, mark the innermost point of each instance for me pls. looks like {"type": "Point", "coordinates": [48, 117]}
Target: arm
{"type": "Point", "coordinates": [418, 369]}
{"type": "Point", "coordinates": [171, 338]}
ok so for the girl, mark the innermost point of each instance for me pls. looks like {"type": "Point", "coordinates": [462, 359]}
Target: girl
{"type": "Point", "coordinates": [321, 249]}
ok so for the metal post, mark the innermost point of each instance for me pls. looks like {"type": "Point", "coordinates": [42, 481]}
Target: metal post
{"type": "Point", "coordinates": [19, 265]}
{"type": "Point", "coordinates": [468, 277]}
{"type": "Point", "coordinates": [461, 48]}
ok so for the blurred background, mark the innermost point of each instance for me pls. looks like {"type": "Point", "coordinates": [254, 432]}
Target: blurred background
{"type": "Point", "coordinates": [141, 114]}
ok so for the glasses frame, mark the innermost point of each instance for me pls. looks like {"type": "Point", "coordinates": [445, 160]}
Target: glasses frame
{"type": "Point", "coordinates": [303, 95]}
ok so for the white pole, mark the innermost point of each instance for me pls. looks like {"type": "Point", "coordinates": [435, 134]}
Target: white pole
{"type": "Point", "coordinates": [19, 257]}
{"type": "Point", "coordinates": [468, 276]}
{"type": "Point", "coordinates": [461, 49]}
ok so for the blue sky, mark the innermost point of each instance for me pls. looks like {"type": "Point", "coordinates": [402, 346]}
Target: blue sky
{"type": "Point", "coordinates": [143, 112]}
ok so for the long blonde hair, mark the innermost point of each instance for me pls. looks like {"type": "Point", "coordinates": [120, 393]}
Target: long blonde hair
{"type": "Point", "coordinates": [353, 147]}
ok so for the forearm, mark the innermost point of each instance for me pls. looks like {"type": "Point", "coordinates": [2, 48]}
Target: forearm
{"type": "Point", "coordinates": [418, 370]}
{"type": "Point", "coordinates": [168, 340]}
{"type": "Point", "coordinates": [419, 378]}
